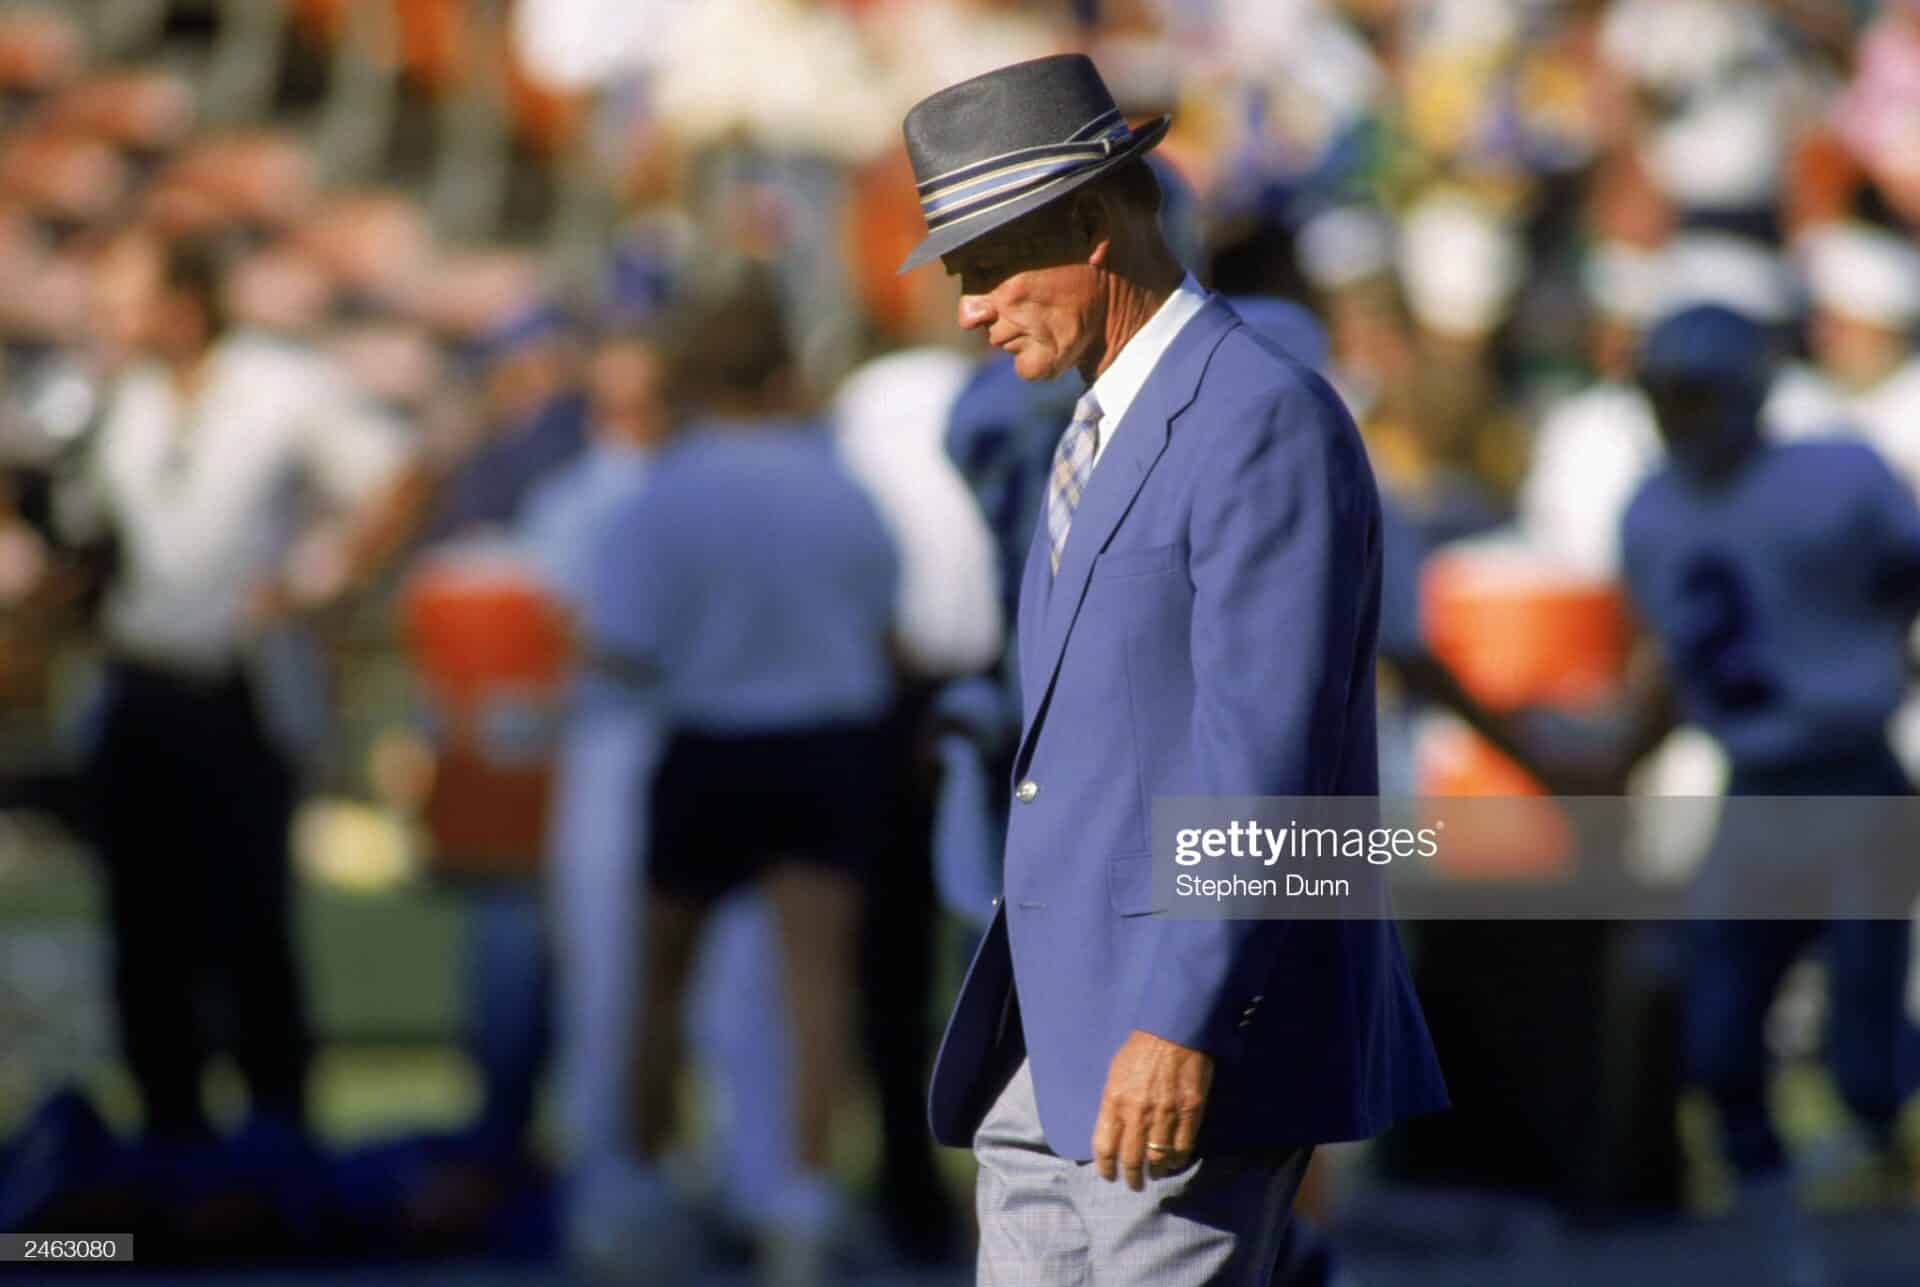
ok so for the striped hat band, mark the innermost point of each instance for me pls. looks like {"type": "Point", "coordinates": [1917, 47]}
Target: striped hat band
{"type": "Point", "coordinates": [986, 185]}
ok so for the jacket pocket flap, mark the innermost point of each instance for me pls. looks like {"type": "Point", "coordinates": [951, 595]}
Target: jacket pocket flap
{"type": "Point", "coordinates": [1130, 884]}
{"type": "Point", "coordinates": [1136, 562]}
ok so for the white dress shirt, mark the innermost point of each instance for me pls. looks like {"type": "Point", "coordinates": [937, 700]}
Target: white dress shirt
{"type": "Point", "coordinates": [1127, 374]}
{"type": "Point", "coordinates": [208, 494]}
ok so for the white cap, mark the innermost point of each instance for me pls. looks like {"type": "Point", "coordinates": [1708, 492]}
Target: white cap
{"type": "Point", "coordinates": [1459, 265]}
{"type": "Point", "coordinates": [1345, 245]}
{"type": "Point", "coordinates": [1723, 152]}
{"type": "Point", "coordinates": [1745, 275]}
{"type": "Point", "coordinates": [1679, 45]}
{"type": "Point", "coordinates": [1469, 24]}
{"type": "Point", "coordinates": [1624, 281]}
{"type": "Point", "coordinates": [1863, 273]}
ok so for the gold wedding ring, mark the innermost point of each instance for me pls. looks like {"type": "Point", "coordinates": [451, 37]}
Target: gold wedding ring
{"type": "Point", "coordinates": [1158, 1148]}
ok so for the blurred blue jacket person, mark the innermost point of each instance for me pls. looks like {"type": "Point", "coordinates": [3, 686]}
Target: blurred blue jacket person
{"type": "Point", "coordinates": [538, 425]}
{"type": "Point", "coordinates": [751, 589]}
{"type": "Point", "coordinates": [566, 511]}
{"type": "Point", "coordinates": [607, 751]}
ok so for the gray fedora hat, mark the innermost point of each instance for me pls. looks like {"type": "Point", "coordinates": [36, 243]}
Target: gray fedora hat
{"type": "Point", "coordinates": [990, 149]}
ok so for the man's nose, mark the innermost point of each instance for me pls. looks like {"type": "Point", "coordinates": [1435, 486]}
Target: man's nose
{"type": "Point", "coordinates": [976, 311]}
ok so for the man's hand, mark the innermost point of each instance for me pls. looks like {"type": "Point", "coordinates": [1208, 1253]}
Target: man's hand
{"type": "Point", "coordinates": [316, 576]}
{"type": "Point", "coordinates": [1156, 1094]}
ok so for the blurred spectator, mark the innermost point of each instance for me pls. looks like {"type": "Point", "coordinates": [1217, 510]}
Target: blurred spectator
{"type": "Point", "coordinates": [571, 43]}
{"type": "Point", "coordinates": [1347, 254]}
{"type": "Point", "coordinates": [769, 101]}
{"type": "Point", "coordinates": [1461, 268]}
{"type": "Point", "coordinates": [531, 419]}
{"type": "Point", "coordinates": [1287, 111]}
{"type": "Point", "coordinates": [376, 249]}
{"type": "Point", "coordinates": [1864, 284]}
{"type": "Point", "coordinates": [597, 862]}
{"type": "Point", "coordinates": [40, 50]}
{"type": "Point", "coordinates": [927, 45]}
{"type": "Point", "coordinates": [1444, 446]}
{"type": "Point", "coordinates": [889, 420]}
{"type": "Point", "coordinates": [756, 586]}
{"type": "Point", "coordinates": [1865, 289]}
{"type": "Point", "coordinates": [1739, 272]}
{"type": "Point", "coordinates": [1875, 115]}
{"type": "Point", "coordinates": [144, 114]}
{"type": "Point", "coordinates": [245, 186]}
{"type": "Point", "coordinates": [598, 818]}
{"type": "Point", "coordinates": [786, 76]}
{"type": "Point", "coordinates": [394, 360]}
{"type": "Point", "coordinates": [1460, 265]}
{"type": "Point", "coordinates": [889, 416]}
{"type": "Point", "coordinates": [1594, 447]}
{"type": "Point", "coordinates": [66, 181]}
{"type": "Point", "coordinates": [531, 424]}
{"type": "Point", "coordinates": [1718, 93]}
{"type": "Point", "coordinates": [1001, 437]}
{"type": "Point", "coordinates": [279, 291]}
{"type": "Point", "coordinates": [199, 444]}
{"type": "Point", "coordinates": [630, 421]}
{"type": "Point", "coordinates": [1471, 86]}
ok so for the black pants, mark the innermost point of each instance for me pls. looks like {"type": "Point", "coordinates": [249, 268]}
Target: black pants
{"type": "Point", "coordinates": [898, 1025]}
{"type": "Point", "coordinates": [194, 807]}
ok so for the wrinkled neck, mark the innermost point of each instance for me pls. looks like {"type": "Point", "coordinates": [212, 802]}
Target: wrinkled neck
{"type": "Point", "coordinates": [1133, 294]}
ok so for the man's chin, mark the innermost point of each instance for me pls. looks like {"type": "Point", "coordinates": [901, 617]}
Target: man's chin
{"type": "Point", "coordinates": [1030, 364]}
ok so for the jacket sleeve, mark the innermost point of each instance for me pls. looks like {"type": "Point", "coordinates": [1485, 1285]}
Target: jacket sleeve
{"type": "Point", "coordinates": [1284, 559]}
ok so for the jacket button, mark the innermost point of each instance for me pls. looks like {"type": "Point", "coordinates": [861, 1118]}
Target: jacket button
{"type": "Point", "coordinates": [1025, 792]}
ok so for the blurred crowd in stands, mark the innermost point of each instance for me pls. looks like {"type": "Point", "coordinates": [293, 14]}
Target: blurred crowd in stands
{"type": "Point", "coordinates": [470, 333]}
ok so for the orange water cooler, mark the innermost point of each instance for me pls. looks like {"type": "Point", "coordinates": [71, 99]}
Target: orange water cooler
{"type": "Point", "coordinates": [1517, 631]}
{"type": "Point", "coordinates": [491, 653]}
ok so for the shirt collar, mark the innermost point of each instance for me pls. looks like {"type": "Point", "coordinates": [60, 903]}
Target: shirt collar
{"type": "Point", "coordinates": [1127, 374]}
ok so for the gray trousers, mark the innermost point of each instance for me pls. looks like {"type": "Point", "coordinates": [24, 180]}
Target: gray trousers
{"type": "Point", "coordinates": [1049, 1222]}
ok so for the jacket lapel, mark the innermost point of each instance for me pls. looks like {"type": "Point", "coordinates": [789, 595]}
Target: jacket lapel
{"type": "Point", "coordinates": [1029, 625]}
{"type": "Point", "coordinates": [1049, 605]}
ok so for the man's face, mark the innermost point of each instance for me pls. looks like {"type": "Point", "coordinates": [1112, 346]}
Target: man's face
{"type": "Point", "coordinates": [625, 379]}
{"type": "Point", "coordinates": [1033, 289]}
{"type": "Point", "coordinates": [1858, 354]}
{"type": "Point", "coordinates": [126, 290]}
{"type": "Point", "coordinates": [1687, 410]}
{"type": "Point", "coordinates": [522, 381]}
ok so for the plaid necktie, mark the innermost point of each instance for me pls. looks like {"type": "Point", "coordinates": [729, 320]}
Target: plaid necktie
{"type": "Point", "coordinates": [1072, 464]}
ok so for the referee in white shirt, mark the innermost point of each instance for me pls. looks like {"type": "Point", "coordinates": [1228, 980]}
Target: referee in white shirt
{"type": "Point", "coordinates": [217, 452]}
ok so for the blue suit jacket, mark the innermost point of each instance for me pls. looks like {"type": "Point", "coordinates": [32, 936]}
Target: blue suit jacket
{"type": "Point", "coordinates": [1210, 632]}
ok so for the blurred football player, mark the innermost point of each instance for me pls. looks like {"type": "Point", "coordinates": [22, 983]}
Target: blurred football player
{"type": "Point", "coordinates": [1778, 581]}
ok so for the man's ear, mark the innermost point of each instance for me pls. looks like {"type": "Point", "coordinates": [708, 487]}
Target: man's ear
{"type": "Point", "coordinates": [1091, 222]}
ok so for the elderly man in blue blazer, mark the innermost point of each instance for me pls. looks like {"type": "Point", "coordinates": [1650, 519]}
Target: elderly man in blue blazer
{"type": "Point", "coordinates": [1197, 617]}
